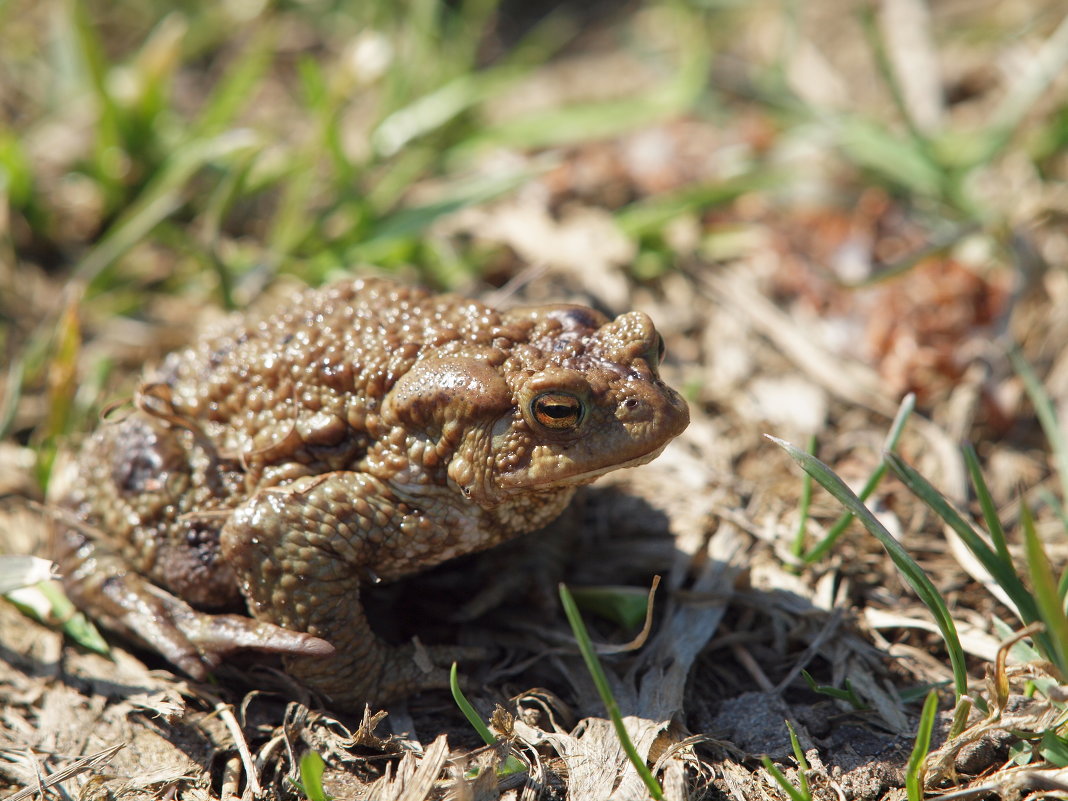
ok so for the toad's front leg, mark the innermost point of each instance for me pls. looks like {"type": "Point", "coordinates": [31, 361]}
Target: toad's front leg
{"type": "Point", "coordinates": [300, 553]}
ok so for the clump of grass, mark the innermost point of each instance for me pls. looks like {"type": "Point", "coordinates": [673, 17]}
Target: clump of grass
{"type": "Point", "coordinates": [1032, 590]}
{"type": "Point", "coordinates": [327, 207]}
{"type": "Point", "coordinates": [940, 164]}
{"type": "Point", "coordinates": [906, 565]}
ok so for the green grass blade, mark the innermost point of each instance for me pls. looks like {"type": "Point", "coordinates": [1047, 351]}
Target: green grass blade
{"type": "Point", "coordinates": [390, 187]}
{"type": "Point", "coordinates": [986, 503]}
{"type": "Point", "coordinates": [469, 711]}
{"type": "Point", "coordinates": [600, 680]}
{"type": "Point", "coordinates": [220, 201]}
{"type": "Point", "coordinates": [572, 124]}
{"type": "Point", "coordinates": [799, 755]}
{"type": "Point", "coordinates": [963, 711]}
{"type": "Point", "coordinates": [311, 777]}
{"type": "Point", "coordinates": [793, 792]}
{"type": "Point", "coordinates": [511, 764]}
{"type": "Point", "coordinates": [1053, 749]}
{"type": "Point", "coordinates": [155, 66]}
{"type": "Point", "coordinates": [1051, 500]}
{"type": "Point", "coordinates": [798, 546]}
{"type": "Point", "coordinates": [933, 499]}
{"type": "Point", "coordinates": [1004, 573]}
{"type": "Point", "coordinates": [467, 31]}
{"type": "Point", "coordinates": [652, 214]}
{"type": "Point", "coordinates": [12, 392]}
{"type": "Point", "coordinates": [159, 199]}
{"type": "Point", "coordinates": [465, 90]}
{"type": "Point", "coordinates": [1046, 592]}
{"type": "Point", "coordinates": [915, 770]}
{"type": "Point", "coordinates": [848, 694]}
{"type": "Point", "coordinates": [916, 693]}
{"type": "Point", "coordinates": [582, 122]}
{"type": "Point", "coordinates": [136, 223]}
{"type": "Point", "coordinates": [16, 172]}
{"type": "Point", "coordinates": [627, 606]}
{"type": "Point", "coordinates": [874, 146]}
{"type": "Point", "coordinates": [905, 564]}
{"type": "Point", "coordinates": [412, 221]}
{"type": "Point", "coordinates": [889, 77]}
{"type": "Point", "coordinates": [823, 547]}
{"type": "Point", "coordinates": [429, 113]}
{"type": "Point", "coordinates": [48, 604]}
{"type": "Point", "coordinates": [1021, 651]}
{"type": "Point", "coordinates": [236, 86]}
{"type": "Point", "coordinates": [1047, 417]}
{"type": "Point", "coordinates": [62, 387]}
{"type": "Point", "coordinates": [86, 43]}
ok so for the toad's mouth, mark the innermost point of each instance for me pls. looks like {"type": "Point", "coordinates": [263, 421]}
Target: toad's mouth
{"type": "Point", "coordinates": [585, 476]}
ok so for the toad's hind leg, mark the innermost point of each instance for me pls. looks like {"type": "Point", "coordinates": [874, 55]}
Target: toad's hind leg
{"type": "Point", "coordinates": [300, 553]}
{"type": "Point", "coordinates": [134, 565]}
{"type": "Point", "coordinates": [99, 580]}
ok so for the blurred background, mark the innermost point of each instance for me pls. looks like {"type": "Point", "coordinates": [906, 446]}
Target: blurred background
{"type": "Point", "coordinates": [156, 158]}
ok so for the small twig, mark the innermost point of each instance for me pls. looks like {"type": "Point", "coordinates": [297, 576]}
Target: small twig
{"type": "Point", "coordinates": [525, 276]}
{"type": "Point", "coordinates": [231, 780]}
{"type": "Point", "coordinates": [833, 621]}
{"type": "Point", "coordinates": [226, 712]}
{"type": "Point", "coordinates": [37, 773]}
{"type": "Point", "coordinates": [81, 766]}
{"type": "Point", "coordinates": [750, 664]}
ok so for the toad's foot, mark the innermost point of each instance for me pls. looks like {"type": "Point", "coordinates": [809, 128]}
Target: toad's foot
{"type": "Point", "coordinates": [97, 578]}
{"type": "Point", "coordinates": [196, 642]}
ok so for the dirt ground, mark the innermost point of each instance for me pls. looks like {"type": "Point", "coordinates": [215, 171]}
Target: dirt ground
{"type": "Point", "coordinates": [705, 696]}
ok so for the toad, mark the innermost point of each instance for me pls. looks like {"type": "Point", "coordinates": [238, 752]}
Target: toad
{"type": "Point", "coordinates": [363, 432]}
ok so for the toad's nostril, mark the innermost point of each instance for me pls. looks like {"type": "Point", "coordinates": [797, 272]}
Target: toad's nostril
{"type": "Point", "coordinates": [631, 403]}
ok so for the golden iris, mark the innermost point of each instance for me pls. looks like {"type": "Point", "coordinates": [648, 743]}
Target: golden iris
{"type": "Point", "coordinates": [557, 410]}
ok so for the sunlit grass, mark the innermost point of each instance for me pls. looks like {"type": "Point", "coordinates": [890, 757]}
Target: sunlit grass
{"type": "Point", "coordinates": [1029, 585]}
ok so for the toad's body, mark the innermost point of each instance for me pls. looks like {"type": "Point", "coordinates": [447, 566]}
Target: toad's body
{"type": "Point", "coordinates": [364, 432]}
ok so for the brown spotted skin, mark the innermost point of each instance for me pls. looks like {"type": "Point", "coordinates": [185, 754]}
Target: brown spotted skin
{"type": "Point", "coordinates": [364, 432]}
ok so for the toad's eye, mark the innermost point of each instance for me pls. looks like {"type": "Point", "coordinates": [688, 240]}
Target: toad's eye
{"type": "Point", "coordinates": [557, 410]}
